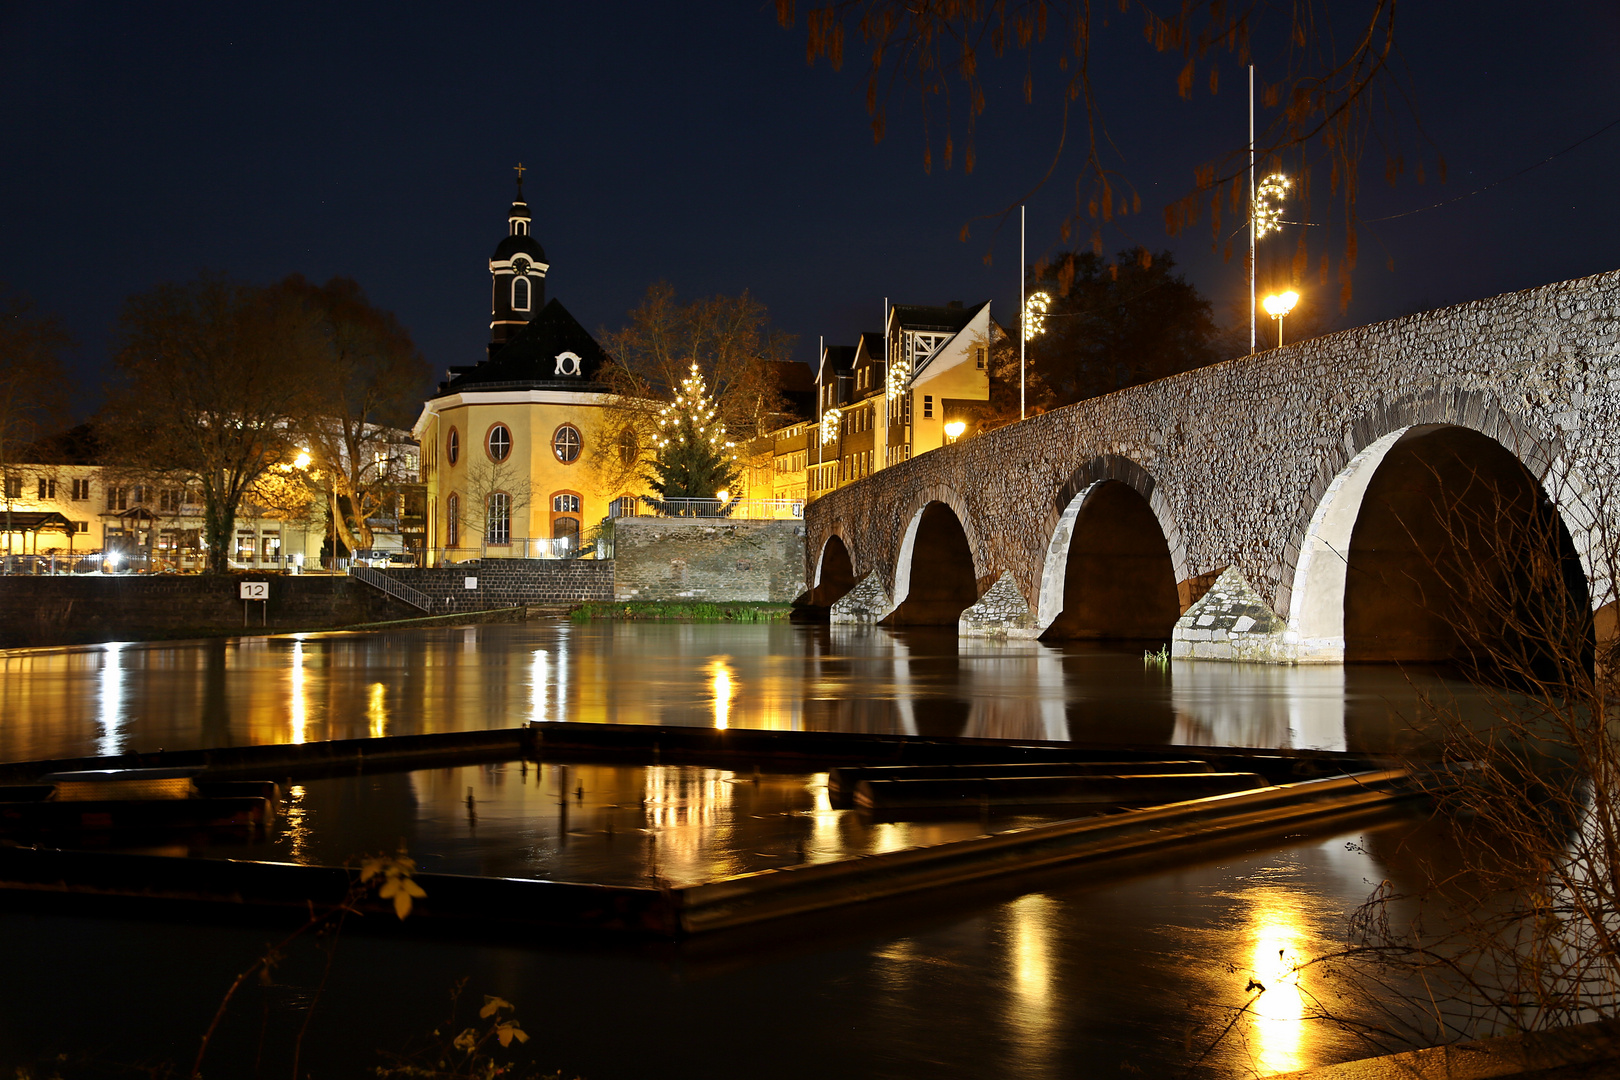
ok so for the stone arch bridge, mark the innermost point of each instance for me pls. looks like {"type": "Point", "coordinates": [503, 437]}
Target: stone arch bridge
{"type": "Point", "coordinates": [1315, 503]}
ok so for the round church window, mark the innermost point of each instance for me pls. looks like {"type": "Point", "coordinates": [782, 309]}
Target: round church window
{"type": "Point", "coordinates": [452, 446]}
{"type": "Point", "coordinates": [499, 442]}
{"type": "Point", "coordinates": [566, 444]}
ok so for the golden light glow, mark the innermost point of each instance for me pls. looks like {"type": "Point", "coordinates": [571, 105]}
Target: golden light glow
{"type": "Point", "coordinates": [377, 710]}
{"type": "Point", "coordinates": [1277, 1016]}
{"type": "Point", "coordinates": [112, 700]}
{"type": "Point", "coordinates": [1268, 199]}
{"type": "Point", "coordinates": [300, 707]}
{"type": "Point", "coordinates": [955, 428]}
{"type": "Point", "coordinates": [1279, 304]}
{"type": "Point", "coordinates": [539, 679]}
{"type": "Point", "coordinates": [1031, 1010]}
{"type": "Point", "coordinates": [723, 495]}
{"type": "Point", "coordinates": [302, 461]}
{"type": "Point", "coordinates": [1036, 305]}
{"type": "Point", "coordinates": [720, 682]}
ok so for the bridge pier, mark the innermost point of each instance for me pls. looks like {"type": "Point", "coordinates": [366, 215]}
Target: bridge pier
{"type": "Point", "coordinates": [866, 604]}
{"type": "Point", "coordinates": [1001, 612]}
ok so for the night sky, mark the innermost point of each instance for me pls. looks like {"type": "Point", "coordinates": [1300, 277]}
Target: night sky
{"type": "Point", "coordinates": [690, 142]}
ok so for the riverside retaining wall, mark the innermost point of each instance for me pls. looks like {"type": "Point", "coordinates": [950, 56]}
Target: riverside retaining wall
{"type": "Point", "coordinates": [74, 610]}
{"type": "Point", "coordinates": [716, 559]}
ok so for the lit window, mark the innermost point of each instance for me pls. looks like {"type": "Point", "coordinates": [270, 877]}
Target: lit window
{"type": "Point", "coordinates": [499, 442]}
{"type": "Point", "coordinates": [452, 521]}
{"type": "Point", "coordinates": [452, 446]}
{"type": "Point", "coordinates": [623, 506]}
{"type": "Point", "coordinates": [499, 529]}
{"type": "Point", "coordinates": [565, 504]}
{"type": "Point", "coordinates": [566, 444]}
{"type": "Point", "coordinates": [520, 294]}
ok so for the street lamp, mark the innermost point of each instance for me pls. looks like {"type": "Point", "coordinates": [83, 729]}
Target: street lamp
{"type": "Point", "coordinates": [954, 429]}
{"type": "Point", "coordinates": [1278, 305]}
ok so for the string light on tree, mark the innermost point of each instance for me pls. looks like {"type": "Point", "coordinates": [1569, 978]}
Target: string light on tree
{"type": "Point", "coordinates": [693, 458]}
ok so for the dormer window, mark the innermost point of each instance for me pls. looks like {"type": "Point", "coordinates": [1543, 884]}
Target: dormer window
{"type": "Point", "coordinates": [520, 294]}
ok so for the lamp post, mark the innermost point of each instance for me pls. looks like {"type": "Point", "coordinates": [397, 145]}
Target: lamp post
{"type": "Point", "coordinates": [954, 429]}
{"type": "Point", "coordinates": [1278, 305]}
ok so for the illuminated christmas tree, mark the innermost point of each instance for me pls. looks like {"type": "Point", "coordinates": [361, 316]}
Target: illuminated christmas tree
{"type": "Point", "coordinates": [694, 459]}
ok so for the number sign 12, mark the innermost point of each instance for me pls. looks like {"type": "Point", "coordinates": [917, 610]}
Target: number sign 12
{"type": "Point", "coordinates": [255, 590]}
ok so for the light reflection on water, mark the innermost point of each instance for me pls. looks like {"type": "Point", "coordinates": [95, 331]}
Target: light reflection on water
{"type": "Point", "coordinates": [1089, 974]}
{"type": "Point", "coordinates": [177, 695]}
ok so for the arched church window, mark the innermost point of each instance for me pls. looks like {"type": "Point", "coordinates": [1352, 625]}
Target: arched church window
{"type": "Point", "coordinates": [566, 444]}
{"type": "Point", "coordinates": [452, 446]}
{"type": "Point", "coordinates": [520, 294]}
{"type": "Point", "coordinates": [499, 519]}
{"type": "Point", "coordinates": [565, 504]}
{"type": "Point", "coordinates": [499, 442]}
{"type": "Point", "coordinates": [452, 520]}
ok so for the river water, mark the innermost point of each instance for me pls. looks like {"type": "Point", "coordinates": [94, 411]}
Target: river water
{"type": "Point", "coordinates": [1125, 971]}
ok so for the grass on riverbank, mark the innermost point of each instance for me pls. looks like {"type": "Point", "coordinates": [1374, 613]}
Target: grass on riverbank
{"type": "Point", "coordinates": [681, 611]}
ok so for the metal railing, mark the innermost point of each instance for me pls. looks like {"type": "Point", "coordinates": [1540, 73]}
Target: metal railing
{"type": "Point", "coordinates": [397, 589]}
{"type": "Point", "coordinates": [753, 509]}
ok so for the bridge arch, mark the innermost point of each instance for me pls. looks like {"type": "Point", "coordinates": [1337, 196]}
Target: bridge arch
{"type": "Point", "coordinates": [936, 574]}
{"type": "Point", "coordinates": [1439, 540]}
{"type": "Point", "coordinates": [835, 572]}
{"type": "Point", "coordinates": [1114, 557]}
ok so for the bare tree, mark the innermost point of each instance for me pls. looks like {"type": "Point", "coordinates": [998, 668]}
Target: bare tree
{"type": "Point", "coordinates": [32, 384]}
{"type": "Point", "coordinates": [485, 480]}
{"type": "Point", "coordinates": [729, 337]}
{"type": "Point", "coordinates": [372, 379]}
{"type": "Point", "coordinates": [1339, 91]}
{"type": "Point", "coordinates": [1516, 925]}
{"type": "Point", "coordinates": [210, 382]}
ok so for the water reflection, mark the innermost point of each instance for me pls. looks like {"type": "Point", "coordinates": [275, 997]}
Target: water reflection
{"type": "Point", "coordinates": [1032, 1012]}
{"type": "Point", "coordinates": [60, 702]}
{"type": "Point", "coordinates": [112, 700]}
{"type": "Point", "coordinates": [1298, 707]}
{"type": "Point", "coordinates": [1275, 1020]}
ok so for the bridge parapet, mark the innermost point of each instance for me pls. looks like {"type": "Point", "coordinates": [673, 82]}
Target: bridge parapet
{"type": "Point", "coordinates": [1259, 464]}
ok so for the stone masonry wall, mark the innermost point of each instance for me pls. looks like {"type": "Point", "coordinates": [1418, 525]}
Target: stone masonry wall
{"type": "Point", "coordinates": [1234, 457]}
{"type": "Point", "coordinates": [502, 583]}
{"type": "Point", "coordinates": [71, 610]}
{"type": "Point", "coordinates": [708, 559]}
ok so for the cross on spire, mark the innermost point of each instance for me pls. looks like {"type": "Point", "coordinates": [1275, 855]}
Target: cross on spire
{"type": "Point", "coordinates": [520, 168]}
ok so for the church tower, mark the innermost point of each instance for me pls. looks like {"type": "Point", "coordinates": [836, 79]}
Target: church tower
{"type": "Point", "coordinates": [518, 269]}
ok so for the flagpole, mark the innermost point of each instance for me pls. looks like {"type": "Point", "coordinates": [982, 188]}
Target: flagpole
{"type": "Point", "coordinates": [1252, 237]}
{"type": "Point", "coordinates": [1022, 336]}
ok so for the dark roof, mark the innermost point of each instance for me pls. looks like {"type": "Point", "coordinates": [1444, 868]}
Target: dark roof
{"type": "Point", "coordinates": [797, 385]}
{"type": "Point", "coordinates": [520, 245]}
{"type": "Point", "coordinates": [520, 209]}
{"type": "Point", "coordinates": [839, 357]}
{"type": "Point", "coordinates": [917, 317]}
{"type": "Point", "coordinates": [37, 521]}
{"type": "Point", "coordinates": [874, 345]}
{"type": "Point", "coordinates": [529, 360]}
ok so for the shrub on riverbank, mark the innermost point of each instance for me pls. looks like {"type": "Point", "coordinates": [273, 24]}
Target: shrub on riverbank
{"type": "Point", "coordinates": [681, 611]}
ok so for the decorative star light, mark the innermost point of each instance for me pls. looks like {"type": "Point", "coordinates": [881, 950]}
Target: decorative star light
{"type": "Point", "coordinates": [1268, 203]}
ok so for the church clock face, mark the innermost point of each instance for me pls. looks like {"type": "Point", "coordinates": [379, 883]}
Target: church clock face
{"type": "Point", "coordinates": [520, 267]}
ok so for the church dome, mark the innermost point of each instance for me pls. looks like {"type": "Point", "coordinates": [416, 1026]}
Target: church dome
{"type": "Point", "coordinates": [519, 244]}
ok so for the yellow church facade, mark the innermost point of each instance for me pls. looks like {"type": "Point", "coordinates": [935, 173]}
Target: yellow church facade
{"type": "Point", "coordinates": [512, 445]}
